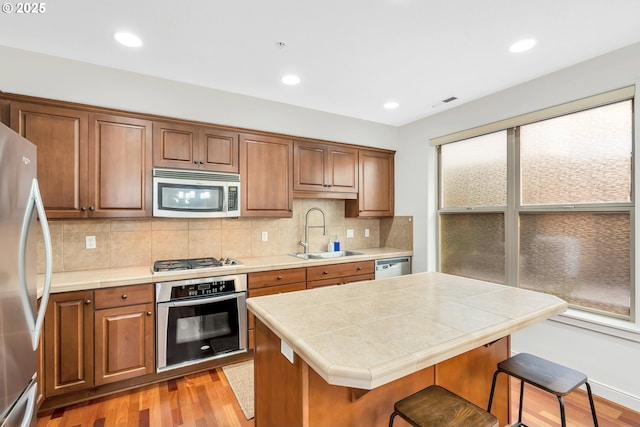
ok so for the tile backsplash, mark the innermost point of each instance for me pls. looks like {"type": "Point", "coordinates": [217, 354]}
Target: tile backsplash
{"type": "Point", "coordinates": [140, 242]}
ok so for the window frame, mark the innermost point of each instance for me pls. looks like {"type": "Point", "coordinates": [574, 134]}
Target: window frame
{"type": "Point", "coordinates": [582, 317]}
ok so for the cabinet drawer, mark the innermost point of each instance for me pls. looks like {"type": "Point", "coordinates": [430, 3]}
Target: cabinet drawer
{"type": "Point", "coordinates": [339, 270]}
{"type": "Point", "coordinates": [339, 280]}
{"type": "Point", "coordinates": [276, 278]}
{"type": "Point", "coordinates": [123, 295]}
{"type": "Point", "coordinates": [273, 290]}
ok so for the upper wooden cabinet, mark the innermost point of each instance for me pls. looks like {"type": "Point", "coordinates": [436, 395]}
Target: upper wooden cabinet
{"type": "Point", "coordinates": [266, 164]}
{"type": "Point", "coordinates": [376, 193]}
{"type": "Point", "coordinates": [89, 165]}
{"type": "Point", "coordinates": [187, 146]}
{"type": "Point", "coordinates": [324, 170]}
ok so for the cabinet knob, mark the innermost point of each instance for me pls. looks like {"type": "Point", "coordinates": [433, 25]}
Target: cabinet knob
{"type": "Point", "coordinates": [149, 313]}
{"type": "Point", "coordinates": [87, 301]}
{"type": "Point", "coordinates": [91, 208]}
{"type": "Point", "coordinates": [83, 209]}
{"type": "Point", "coordinates": [359, 268]}
{"type": "Point", "coordinates": [279, 277]}
{"type": "Point", "coordinates": [201, 162]}
{"type": "Point", "coordinates": [325, 272]}
{"type": "Point", "coordinates": [195, 162]}
{"type": "Point", "coordinates": [125, 296]}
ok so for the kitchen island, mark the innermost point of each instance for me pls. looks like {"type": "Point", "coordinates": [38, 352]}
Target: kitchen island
{"type": "Point", "coordinates": [343, 355]}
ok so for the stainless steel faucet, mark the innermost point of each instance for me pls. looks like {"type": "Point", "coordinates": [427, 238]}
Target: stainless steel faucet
{"type": "Point", "coordinates": [305, 244]}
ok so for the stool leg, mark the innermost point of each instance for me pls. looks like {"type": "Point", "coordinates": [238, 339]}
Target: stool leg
{"type": "Point", "coordinates": [393, 415]}
{"type": "Point", "coordinates": [520, 406]}
{"type": "Point", "coordinates": [593, 407]}
{"type": "Point", "coordinates": [562, 417]}
{"type": "Point", "coordinates": [493, 387]}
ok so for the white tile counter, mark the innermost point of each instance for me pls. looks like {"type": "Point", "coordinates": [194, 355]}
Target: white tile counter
{"type": "Point", "coordinates": [367, 334]}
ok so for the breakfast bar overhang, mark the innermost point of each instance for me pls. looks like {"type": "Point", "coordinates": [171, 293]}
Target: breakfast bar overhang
{"type": "Point", "coordinates": [342, 355]}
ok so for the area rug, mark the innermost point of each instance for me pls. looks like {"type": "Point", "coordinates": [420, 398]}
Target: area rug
{"type": "Point", "coordinates": [240, 378]}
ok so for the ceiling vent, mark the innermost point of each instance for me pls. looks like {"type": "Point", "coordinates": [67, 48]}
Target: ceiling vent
{"type": "Point", "coordinates": [444, 101]}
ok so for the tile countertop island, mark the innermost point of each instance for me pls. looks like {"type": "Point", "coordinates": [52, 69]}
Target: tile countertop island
{"type": "Point", "coordinates": [342, 355]}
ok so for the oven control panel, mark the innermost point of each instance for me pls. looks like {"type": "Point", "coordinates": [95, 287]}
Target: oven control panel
{"type": "Point", "coordinates": [202, 289]}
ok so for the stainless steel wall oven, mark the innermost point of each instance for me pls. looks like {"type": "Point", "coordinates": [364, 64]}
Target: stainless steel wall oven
{"type": "Point", "coordinates": [200, 319]}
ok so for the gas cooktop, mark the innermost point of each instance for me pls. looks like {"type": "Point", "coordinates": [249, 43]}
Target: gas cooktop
{"type": "Point", "coordinates": [192, 263]}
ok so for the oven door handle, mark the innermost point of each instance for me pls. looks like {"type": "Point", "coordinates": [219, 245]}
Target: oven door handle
{"type": "Point", "coordinates": [201, 301]}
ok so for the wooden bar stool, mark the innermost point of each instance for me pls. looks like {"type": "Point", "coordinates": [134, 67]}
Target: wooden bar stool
{"type": "Point", "coordinates": [548, 376]}
{"type": "Point", "coordinates": [435, 406]}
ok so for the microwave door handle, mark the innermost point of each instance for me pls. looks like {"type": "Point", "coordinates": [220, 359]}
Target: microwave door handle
{"type": "Point", "coordinates": [200, 301]}
{"type": "Point", "coordinates": [34, 322]}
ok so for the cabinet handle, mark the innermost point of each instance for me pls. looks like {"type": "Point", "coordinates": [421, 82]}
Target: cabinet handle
{"type": "Point", "coordinates": [87, 301]}
{"type": "Point", "coordinates": [125, 296]}
{"type": "Point", "coordinates": [279, 277]}
{"type": "Point", "coordinates": [359, 268]}
{"type": "Point", "coordinates": [201, 162]}
{"type": "Point", "coordinates": [149, 313]}
{"type": "Point", "coordinates": [91, 208]}
{"type": "Point", "coordinates": [325, 272]}
{"type": "Point", "coordinates": [83, 209]}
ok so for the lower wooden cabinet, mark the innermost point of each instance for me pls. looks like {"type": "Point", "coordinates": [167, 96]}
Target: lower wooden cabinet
{"type": "Point", "coordinates": [124, 333]}
{"type": "Point", "coordinates": [68, 343]}
{"type": "Point", "coordinates": [98, 337]}
{"type": "Point", "coordinates": [273, 282]}
{"type": "Point", "coordinates": [339, 274]}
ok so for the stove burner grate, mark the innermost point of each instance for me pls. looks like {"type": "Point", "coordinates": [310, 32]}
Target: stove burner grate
{"type": "Point", "coordinates": [185, 264]}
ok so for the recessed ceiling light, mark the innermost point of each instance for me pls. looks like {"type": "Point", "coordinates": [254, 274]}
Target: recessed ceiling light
{"type": "Point", "coordinates": [291, 80]}
{"type": "Point", "coordinates": [127, 39]}
{"type": "Point", "coordinates": [522, 45]}
{"type": "Point", "coordinates": [391, 105]}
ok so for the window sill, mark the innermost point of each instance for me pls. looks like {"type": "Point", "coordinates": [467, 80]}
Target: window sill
{"type": "Point", "coordinates": [603, 324]}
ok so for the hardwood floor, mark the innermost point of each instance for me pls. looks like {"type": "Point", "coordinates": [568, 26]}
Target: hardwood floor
{"type": "Point", "coordinates": [206, 400]}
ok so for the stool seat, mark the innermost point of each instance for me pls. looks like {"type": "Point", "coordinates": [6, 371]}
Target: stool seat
{"type": "Point", "coordinates": [548, 376]}
{"type": "Point", "coordinates": [436, 406]}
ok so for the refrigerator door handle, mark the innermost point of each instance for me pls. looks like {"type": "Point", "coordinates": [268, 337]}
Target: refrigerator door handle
{"type": "Point", "coordinates": [35, 322]}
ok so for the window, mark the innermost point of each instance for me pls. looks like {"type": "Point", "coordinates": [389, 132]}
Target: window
{"type": "Point", "coordinates": [545, 206]}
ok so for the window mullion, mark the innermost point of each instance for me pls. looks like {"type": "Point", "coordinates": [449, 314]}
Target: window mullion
{"type": "Point", "coordinates": [511, 213]}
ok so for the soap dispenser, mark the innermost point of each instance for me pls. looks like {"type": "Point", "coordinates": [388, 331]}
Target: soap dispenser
{"type": "Point", "coordinates": [336, 244]}
{"type": "Point", "coordinates": [330, 245]}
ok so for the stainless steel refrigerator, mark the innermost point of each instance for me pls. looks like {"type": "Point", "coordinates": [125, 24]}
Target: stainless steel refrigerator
{"type": "Point", "coordinates": [21, 212]}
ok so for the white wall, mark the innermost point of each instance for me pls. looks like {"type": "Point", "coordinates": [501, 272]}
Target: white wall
{"type": "Point", "coordinates": [611, 362]}
{"type": "Point", "coordinates": [45, 76]}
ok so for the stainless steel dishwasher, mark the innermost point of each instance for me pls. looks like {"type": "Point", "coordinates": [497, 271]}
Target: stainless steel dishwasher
{"type": "Point", "coordinates": [392, 267]}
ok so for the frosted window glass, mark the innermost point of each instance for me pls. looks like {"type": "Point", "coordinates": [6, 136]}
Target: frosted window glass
{"type": "Point", "coordinates": [583, 157]}
{"type": "Point", "coordinates": [472, 245]}
{"type": "Point", "coordinates": [474, 171]}
{"type": "Point", "coordinates": [582, 258]}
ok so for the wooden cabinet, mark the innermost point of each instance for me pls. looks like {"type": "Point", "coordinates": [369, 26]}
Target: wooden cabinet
{"type": "Point", "coordinates": [339, 274]}
{"type": "Point", "coordinates": [266, 165]}
{"type": "Point", "coordinates": [89, 165]}
{"type": "Point", "coordinates": [324, 170]}
{"type": "Point", "coordinates": [68, 343]}
{"type": "Point", "coordinates": [120, 183]}
{"type": "Point", "coordinates": [124, 333]}
{"type": "Point", "coordinates": [376, 181]}
{"type": "Point", "coordinates": [273, 282]}
{"type": "Point", "coordinates": [188, 146]}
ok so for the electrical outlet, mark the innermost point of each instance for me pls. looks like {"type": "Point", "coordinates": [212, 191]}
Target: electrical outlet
{"type": "Point", "coordinates": [265, 236]}
{"type": "Point", "coordinates": [349, 233]}
{"type": "Point", "coordinates": [90, 242]}
{"type": "Point", "coordinates": [366, 232]}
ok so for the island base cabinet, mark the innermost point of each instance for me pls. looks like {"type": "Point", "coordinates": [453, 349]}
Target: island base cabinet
{"type": "Point", "coordinates": [294, 394]}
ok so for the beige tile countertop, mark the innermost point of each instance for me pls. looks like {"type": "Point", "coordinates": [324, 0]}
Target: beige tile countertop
{"type": "Point", "coordinates": [367, 334]}
{"type": "Point", "coordinates": [94, 279]}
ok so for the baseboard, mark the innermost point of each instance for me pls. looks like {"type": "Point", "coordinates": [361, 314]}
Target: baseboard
{"type": "Point", "coordinates": [616, 396]}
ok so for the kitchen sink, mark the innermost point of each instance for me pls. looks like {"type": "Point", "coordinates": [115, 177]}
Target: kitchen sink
{"type": "Point", "coordinates": [324, 255]}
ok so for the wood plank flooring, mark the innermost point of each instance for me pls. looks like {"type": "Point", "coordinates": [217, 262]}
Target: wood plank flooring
{"type": "Point", "coordinates": [206, 400]}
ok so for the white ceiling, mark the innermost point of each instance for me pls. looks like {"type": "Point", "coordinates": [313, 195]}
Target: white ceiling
{"type": "Point", "coordinates": [352, 55]}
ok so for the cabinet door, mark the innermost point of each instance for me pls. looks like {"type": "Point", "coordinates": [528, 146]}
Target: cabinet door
{"type": "Point", "coordinates": [309, 166]}
{"type": "Point", "coordinates": [266, 166]}
{"type": "Point", "coordinates": [342, 169]}
{"type": "Point", "coordinates": [119, 166]}
{"type": "Point", "coordinates": [125, 346]}
{"type": "Point", "coordinates": [376, 186]}
{"type": "Point", "coordinates": [175, 145]}
{"type": "Point", "coordinates": [61, 137]}
{"type": "Point", "coordinates": [218, 150]}
{"type": "Point", "coordinates": [68, 343]}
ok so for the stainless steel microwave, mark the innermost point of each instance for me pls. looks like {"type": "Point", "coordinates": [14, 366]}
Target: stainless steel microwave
{"type": "Point", "coordinates": [195, 194]}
